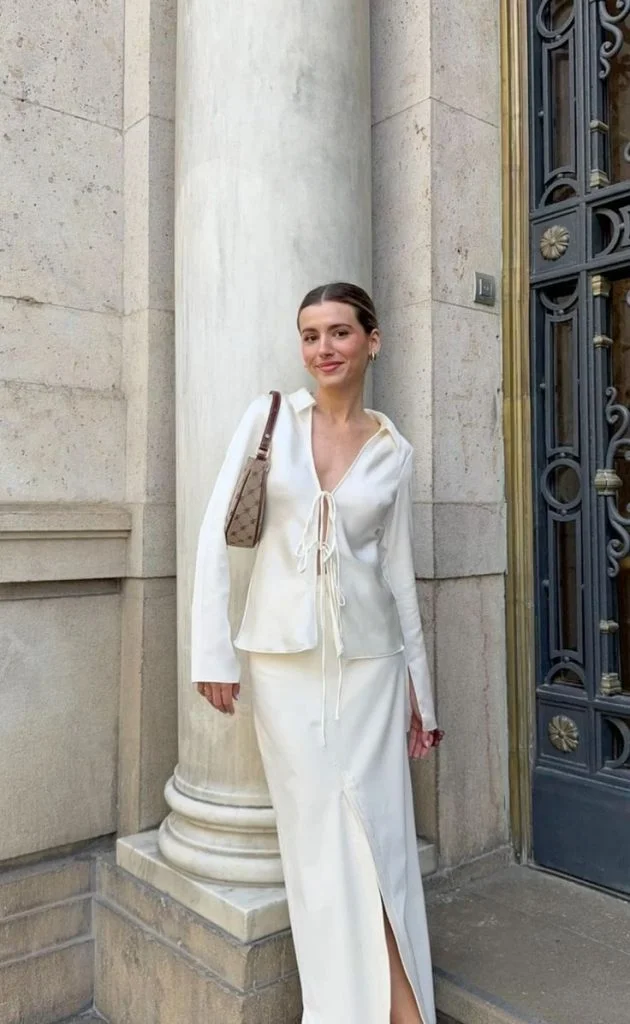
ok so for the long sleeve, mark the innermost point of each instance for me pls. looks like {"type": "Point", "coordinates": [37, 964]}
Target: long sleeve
{"type": "Point", "coordinates": [398, 565]}
{"type": "Point", "coordinates": [213, 658]}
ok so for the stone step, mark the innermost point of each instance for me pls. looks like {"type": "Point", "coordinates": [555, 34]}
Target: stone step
{"type": "Point", "coordinates": [517, 947]}
{"type": "Point", "coordinates": [469, 1006]}
{"type": "Point", "coordinates": [526, 947]}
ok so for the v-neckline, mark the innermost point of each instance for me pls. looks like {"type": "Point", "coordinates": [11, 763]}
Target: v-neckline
{"type": "Point", "coordinates": [347, 472]}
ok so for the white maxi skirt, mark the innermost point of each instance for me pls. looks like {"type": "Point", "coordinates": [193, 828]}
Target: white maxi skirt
{"type": "Point", "coordinates": [339, 780]}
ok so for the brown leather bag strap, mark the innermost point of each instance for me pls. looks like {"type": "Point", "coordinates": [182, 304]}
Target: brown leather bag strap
{"type": "Point", "coordinates": [265, 441]}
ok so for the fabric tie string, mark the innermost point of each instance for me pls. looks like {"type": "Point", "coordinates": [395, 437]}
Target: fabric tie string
{"type": "Point", "coordinates": [319, 540]}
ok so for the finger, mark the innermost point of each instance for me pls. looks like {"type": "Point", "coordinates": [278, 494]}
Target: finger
{"type": "Point", "coordinates": [236, 691]}
{"type": "Point", "coordinates": [205, 691]}
{"type": "Point", "coordinates": [427, 743]}
{"type": "Point", "coordinates": [217, 699]}
{"type": "Point", "coordinates": [226, 698]}
{"type": "Point", "coordinates": [222, 704]}
{"type": "Point", "coordinates": [422, 740]}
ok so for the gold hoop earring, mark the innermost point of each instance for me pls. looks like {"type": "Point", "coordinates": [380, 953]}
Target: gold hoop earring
{"type": "Point", "coordinates": [373, 357]}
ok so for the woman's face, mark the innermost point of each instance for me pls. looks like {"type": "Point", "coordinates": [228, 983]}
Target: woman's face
{"type": "Point", "coordinates": [335, 347]}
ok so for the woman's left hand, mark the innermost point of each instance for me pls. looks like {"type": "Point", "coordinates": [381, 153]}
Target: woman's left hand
{"type": "Point", "coordinates": [421, 741]}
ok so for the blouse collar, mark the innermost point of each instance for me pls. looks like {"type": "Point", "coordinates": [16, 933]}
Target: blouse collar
{"type": "Point", "coordinates": [303, 399]}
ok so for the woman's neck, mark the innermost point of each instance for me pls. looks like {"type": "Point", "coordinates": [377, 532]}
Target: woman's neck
{"type": "Point", "coordinates": [340, 406]}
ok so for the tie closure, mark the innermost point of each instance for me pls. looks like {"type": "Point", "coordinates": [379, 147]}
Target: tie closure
{"type": "Point", "coordinates": [319, 542]}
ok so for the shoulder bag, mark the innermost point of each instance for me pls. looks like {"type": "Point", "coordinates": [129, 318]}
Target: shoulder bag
{"type": "Point", "coordinates": [244, 521]}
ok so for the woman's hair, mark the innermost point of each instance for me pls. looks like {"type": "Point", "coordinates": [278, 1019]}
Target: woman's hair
{"type": "Point", "coordinates": [351, 294]}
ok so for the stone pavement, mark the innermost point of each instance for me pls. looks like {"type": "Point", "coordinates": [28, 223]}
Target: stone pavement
{"type": "Point", "coordinates": [526, 947]}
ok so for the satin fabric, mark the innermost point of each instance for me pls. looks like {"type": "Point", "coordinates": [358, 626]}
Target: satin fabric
{"type": "Point", "coordinates": [346, 827]}
{"type": "Point", "coordinates": [373, 594]}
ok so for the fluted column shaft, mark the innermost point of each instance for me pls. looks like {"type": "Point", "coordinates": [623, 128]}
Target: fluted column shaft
{"type": "Point", "coordinates": [272, 197]}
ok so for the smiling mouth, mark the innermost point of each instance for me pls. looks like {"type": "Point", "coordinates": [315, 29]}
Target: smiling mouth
{"type": "Point", "coordinates": [327, 367]}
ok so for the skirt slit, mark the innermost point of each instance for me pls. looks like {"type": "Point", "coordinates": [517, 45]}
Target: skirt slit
{"type": "Point", "coordinates": [344, 811]}
{"type": "Point", "coordinates": [403, 945]}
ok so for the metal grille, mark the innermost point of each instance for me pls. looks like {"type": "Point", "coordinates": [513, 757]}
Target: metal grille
{"type": "Point", "coordinates": [580, 273]}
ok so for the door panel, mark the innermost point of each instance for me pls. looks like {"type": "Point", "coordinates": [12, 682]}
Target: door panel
{"type": "Point", "coordinates": [580, 358]}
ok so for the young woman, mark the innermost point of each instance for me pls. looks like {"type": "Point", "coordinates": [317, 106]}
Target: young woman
{"type": "Point", "coordinates": [338, 670]}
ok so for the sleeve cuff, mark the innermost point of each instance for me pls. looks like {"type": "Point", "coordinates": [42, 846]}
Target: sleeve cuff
{"type": "Point", "coordinates": [424, 698]}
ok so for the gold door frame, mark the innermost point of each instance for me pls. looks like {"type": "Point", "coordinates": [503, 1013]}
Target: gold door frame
{"type": "Point", "coordinates": [517, 418]}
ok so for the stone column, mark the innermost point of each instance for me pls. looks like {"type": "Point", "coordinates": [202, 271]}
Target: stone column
{"type": "Point", "coordinates": [272, 197]}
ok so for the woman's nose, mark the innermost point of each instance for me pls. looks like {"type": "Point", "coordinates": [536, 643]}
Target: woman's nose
{"type": "Point", "coordinates": [324, 346]}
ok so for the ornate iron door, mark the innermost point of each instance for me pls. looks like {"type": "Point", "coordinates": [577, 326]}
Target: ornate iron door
{"type": "Point", "coordinates": [580, 315]}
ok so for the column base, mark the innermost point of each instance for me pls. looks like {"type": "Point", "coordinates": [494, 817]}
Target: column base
{"type": "Point", "coordinates": [245, 912]}
{"type": "Point", "coordinates": [220, 842]}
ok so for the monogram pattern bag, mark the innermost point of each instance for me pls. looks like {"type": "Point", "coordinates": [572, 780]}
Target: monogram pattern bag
{"type": "Point", "coordinates": [244, 521]}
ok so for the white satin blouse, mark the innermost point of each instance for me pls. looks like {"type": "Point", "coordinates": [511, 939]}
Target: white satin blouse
{"type": "Point", "coordinates": [365, 554]}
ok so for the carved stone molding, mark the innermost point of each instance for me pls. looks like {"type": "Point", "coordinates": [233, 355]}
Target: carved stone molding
{"type": "Point", "coordinates": [62, 541]}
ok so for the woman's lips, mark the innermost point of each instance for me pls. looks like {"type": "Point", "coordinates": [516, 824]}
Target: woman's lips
{"type": "Point", "coordinates": [328, 367]}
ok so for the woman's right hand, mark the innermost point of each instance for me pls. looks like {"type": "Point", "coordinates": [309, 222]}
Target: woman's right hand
{"type": "Point", "coordinates": [220, 695]}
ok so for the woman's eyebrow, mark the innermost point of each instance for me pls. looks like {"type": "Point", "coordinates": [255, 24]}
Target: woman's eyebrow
{"type": "Point", "coordinates": [331, 327]}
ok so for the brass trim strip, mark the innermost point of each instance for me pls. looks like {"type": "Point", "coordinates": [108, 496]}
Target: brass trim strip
{"type": "Point", "coordinates": [517, 418]}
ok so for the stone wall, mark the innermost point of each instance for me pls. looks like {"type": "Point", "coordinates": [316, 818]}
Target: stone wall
{"type": "Point", "coordinates": [46, 941]}
{"type": "Point", "coordinates": [87, 598]}
{"type": "Point", "coordinates": [86, 420]}
{"type": "Point", "coordinates": [61, 192]}
{"type": "Point", "coordinates": [148, 706]}
{"type": "Point", "coordinates": [436, 166]}
{"type": "Point", "coordinates": [88, 704]}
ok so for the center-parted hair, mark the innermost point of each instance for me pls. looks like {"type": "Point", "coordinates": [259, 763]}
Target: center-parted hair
{"type": "Point", "coordinates": [351, 295]}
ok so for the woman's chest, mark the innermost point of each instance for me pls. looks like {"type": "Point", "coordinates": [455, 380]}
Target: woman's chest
{"type": "Point", "coordinates": [335, 453]}
{"type": "Point", "coordinates": [361, 478]}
